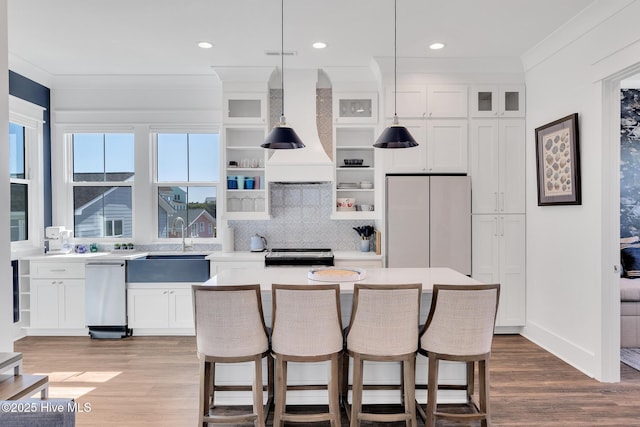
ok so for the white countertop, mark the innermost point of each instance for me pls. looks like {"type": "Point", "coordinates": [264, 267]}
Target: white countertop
{"type": "Point", "coordinates": [259, 256]}
{"type": "Point", "coordinates": [74, 257]}
{"type": "Point", "coordinates": [297, 276]}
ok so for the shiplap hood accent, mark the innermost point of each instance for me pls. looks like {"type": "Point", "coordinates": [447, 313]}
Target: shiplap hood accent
{"type": "Point", "coordinates": [311, 163]}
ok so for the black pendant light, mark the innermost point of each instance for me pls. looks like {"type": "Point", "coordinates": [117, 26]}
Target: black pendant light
{"type": "Point", "coordinates": [395, 136]}
{"type": "Point", "coordinates": [282, 137]}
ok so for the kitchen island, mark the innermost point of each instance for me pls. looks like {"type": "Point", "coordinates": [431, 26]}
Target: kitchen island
{"type": "Point", "coordinates": [386, 373]}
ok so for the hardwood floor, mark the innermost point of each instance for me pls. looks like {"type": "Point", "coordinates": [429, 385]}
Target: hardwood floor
{"type": "Point", "coordinates": [153, 381]}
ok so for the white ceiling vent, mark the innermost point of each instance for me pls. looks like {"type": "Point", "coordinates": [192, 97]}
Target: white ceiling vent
{"type": "Point", "coordinates": [277, 53]}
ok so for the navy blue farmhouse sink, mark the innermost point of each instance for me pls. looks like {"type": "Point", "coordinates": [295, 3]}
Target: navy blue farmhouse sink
{"type": "Point", "coordinates": [176, 256]}
{"type": "Point", "coordinates": [168, 268]}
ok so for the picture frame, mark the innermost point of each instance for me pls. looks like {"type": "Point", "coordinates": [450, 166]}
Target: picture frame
{"type": "Point", "coordinates": [558, 162]}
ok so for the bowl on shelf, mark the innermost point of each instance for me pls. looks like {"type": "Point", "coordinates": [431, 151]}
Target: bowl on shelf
{"type": "Point", "coordinates": [364, 208]}
{"type": "Point", "coordinates": [367, 185]}
{"type": "Point", "coordinates": [346, 204]}
{"type": "Point", "coordinates": [353, 162]}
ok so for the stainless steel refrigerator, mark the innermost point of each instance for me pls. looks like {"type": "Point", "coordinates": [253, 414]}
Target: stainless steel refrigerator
{"type": "Point", "coordinates": [428, 221]}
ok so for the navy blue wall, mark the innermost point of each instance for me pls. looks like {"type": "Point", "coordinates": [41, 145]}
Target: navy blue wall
{"type": "Point", "coordinates": [24, 88]}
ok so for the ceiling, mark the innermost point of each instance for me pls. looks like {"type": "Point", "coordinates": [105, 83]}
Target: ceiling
{"type": "Point", "coordinates": [129, 37]}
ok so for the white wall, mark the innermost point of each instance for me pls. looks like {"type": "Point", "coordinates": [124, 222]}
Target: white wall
{"type": "Point", "coordinates": [572, 289]}
{"type": "Point", "coordinates": [6, 288]}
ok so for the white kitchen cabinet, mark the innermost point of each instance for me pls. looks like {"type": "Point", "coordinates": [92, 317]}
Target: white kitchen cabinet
{"type": "Point", "coordinates": [412, 159]}
{"type": "Point", "coordinates": [443, 148]}
{"type": "Point", "coordinates": [447, 146]}
{"type": "Point", "coordinates": [57, 298]}
{"type": "Point", "coordinates": [498, 256]}
{"type": "Point", "coordinates": [245, 161]}
{"type": "Point", "coordinates": [407, 101]}
{"type": "Point", "coordinates": [422, 101]}
{"type": "Point", "coordinates": [356, 142]}
{"type": "Point", "coordinates": [497, 165]}
{"type": "Point", "coordinates": [45, 303]}
{"type": "Point", "coordinates": [355, 108]}
{"type": "Point", "coordinates": [160, 309]}
{"type": "Point", "coordinates": [57, 304]}
{"type": "Point", "coordinates": [447, 101]}
{"type": "Point", "coordinates": [245, 108]}
{"type": "Point", "coordinates": [497, 101]}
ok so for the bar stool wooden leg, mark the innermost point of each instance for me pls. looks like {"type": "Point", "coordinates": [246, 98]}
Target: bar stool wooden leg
{"type": "Point", "coordinates": [270, 386]}
{"type": "Point", "coordinates": [356, 391]}
{"type": "Point", "coordinates": [409, 384]}
{"type": "Point", "coordinates": [344, 384]}
{"type": "Point", "coordinates": [432, 390]}
{"type": "Point", "coordinates": [212, 384]}
{"type": "Point", "coordinates": [205, 391]}
{"type": "Point", "coordinates": [471, 378]}
{"type": "Point", "coordinates": [281, 392]}
{"type": "Point", "coordinates": [258, 409]}
{"type": "Point", "coordinates": [483, 379]}
{"type": "Point", "coordinates": [334, 390]}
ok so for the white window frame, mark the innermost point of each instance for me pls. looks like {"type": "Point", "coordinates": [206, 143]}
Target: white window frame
{"type": "Point", "coordinates": [30, 116]}
{"type": "Point", "coordinates": [70, 184]}
{"type": "Point", "coordinates": [156, 185]}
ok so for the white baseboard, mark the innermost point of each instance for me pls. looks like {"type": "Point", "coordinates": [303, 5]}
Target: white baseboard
{"type": "Point", "coordinates": [576, 356]}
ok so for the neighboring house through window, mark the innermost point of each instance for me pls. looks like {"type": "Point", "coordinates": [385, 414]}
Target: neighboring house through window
{"type": "Point", "coordinates": [103, 173]}
{"type": "Point", "coordinates": [187, 177]}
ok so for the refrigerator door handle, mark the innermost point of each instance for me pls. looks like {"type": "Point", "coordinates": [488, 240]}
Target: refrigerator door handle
{"type": "Point", "coordinates": [495, 196]}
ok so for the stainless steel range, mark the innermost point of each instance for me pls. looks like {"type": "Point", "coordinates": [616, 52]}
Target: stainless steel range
{"type": "Point", "coordinates": [298, 257]}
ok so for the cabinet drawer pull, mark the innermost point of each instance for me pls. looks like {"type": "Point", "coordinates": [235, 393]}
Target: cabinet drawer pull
{"type": "Point", "coordinates": [58, 269]}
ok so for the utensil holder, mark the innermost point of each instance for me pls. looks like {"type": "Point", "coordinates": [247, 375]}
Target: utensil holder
{"type": "Point", "coordinates": [365, 245]}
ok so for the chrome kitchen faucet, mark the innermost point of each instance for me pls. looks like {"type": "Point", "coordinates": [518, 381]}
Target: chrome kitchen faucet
{"type": "Point", "coordinates": [175, 222]}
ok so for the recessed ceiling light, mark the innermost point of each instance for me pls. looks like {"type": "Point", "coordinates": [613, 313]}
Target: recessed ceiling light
{"type": "Point", "coordinates": [319, 45]}
{"type": "Point", "coordinates": [436, 46]}
{"type": "Point", "coordinates": [205, 45]}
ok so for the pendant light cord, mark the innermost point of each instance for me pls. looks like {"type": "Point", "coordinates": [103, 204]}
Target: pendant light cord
{"type": "Point", "coordinates": [282, 55]}
{"type": "Point", "coordinates": [395, 58]}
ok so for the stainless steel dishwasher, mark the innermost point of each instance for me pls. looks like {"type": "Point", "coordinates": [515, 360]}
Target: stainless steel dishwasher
{"type": "Point", "coordinates": [106, 299]}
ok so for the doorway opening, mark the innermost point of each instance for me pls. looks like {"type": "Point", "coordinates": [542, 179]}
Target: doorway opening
{"type": "Point", "coordinates": [612, 227]}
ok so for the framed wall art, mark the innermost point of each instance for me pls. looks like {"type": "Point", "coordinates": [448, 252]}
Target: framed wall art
{"type": "Point", "coordinates": [558, 162]}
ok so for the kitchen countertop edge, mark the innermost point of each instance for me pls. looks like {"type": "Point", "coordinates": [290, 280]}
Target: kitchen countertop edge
{"type": "Point", "coordinates": [258, 256]}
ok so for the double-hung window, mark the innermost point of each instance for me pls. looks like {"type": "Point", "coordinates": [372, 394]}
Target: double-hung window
{"type": "Point", "coordinates": [187, 179]}
{"type": "Point", "coordinates": [19, 184]}
{"type": "Point", "coordinates": [103, 175]}
{"type": "Point", "coordinates": [25, 173]}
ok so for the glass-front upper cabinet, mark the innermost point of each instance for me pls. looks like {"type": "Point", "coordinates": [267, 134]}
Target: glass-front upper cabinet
{"type": "Point", "coordinates": [497, 101]}
{"type": "Point", "coordinates": [245, 108]}
{"type": "Point", "coordinates": [353, 108]}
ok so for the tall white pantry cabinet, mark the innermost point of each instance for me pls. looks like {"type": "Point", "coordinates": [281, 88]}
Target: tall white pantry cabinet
{"type": "Point", "coordinates": [497, 169]}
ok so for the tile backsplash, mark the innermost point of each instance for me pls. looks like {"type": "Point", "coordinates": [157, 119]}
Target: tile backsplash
{"type": "Point", "coordinates": [300, 219]}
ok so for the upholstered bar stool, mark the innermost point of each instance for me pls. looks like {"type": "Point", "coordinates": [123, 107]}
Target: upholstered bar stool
{"type": "Point", "coordinates": [460, 328]}
{"type": "Point", "coordinates": [306, 328]}
{"type": "Point", "coordinates": [384, 328]}
{"type": "Point", "coordinates": [230, 328]}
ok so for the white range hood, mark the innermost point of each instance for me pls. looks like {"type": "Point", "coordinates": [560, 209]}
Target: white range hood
{"type": "Point", "coordinates": [311, 163]}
